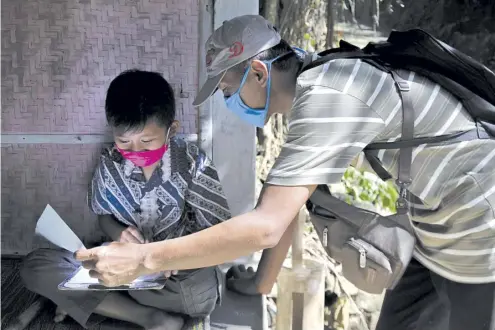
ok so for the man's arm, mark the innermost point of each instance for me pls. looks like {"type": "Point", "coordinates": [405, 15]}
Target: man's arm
{"type": "Point", "coordinates": [272, 260]}
{"type": "Point", "coordinates": [320, 146]}
{"type": "Point", "coordinates": [259, 229]}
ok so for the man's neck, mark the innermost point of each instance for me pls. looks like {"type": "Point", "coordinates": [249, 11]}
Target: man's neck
{"type": "Point", "coordinates": [285, 90]}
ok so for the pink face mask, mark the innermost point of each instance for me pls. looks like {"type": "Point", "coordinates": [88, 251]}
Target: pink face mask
{"type": "Point", "coordinates": [144, 158]}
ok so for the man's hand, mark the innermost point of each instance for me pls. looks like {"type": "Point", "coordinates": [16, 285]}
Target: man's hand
{"type": "Point", "coordinates": [131, 235]}
{"type": "Point", "coordinates": [169, 273]}
{"type": "Point", "coordinates": [116, 263]}
{"type": "Point", "coordinates": [242, 281]}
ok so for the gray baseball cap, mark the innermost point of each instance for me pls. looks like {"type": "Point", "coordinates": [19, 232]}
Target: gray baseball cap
{"type": "Point", "coordinates": [236, 41]}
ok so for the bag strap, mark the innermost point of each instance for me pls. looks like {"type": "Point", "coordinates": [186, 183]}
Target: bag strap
{"type": "Point", "coordinates": [405, 154]}
{"type": "Point", "coordinates": [357, 54]}
{"type": "Point", "coordinates": [474, 134]}
{"type": "Point", "coordinates": [407, 141]}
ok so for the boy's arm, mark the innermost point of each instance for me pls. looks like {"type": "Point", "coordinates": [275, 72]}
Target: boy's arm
{"type": "Point", "coordinates": [98, 203]}
{"type": "Point", "coordinates": [111, 227]}
{"type": "Point", "coordinates": [205, 194]}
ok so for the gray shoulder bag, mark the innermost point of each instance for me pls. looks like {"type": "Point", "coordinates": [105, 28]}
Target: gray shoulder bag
{"type": "Point", "coordinates": [374, 250]}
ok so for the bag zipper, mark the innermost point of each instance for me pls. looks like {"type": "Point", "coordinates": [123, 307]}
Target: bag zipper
{"type": "Point", "coordinates": [362, 251]}
{"type": "Point", "coordinates": [325, 237]}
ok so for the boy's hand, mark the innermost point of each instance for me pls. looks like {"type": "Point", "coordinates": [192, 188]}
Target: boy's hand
{"type": "Point", "coordinates": [242, 280]}
{"type": "Point", "coordinates": [131, 235]}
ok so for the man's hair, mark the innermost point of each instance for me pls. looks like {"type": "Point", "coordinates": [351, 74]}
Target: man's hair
{"type": "Point", "coordinates": [137, 97]}
{"type": "Point", "coordinates": [288, 62]}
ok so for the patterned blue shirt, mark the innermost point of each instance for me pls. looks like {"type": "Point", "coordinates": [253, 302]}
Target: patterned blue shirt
{"type": "Point", "coordinates": [183, 195]}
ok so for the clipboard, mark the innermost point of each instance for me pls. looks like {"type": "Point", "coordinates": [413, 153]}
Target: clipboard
{"type": "Point", "coordinates": [81, 281]}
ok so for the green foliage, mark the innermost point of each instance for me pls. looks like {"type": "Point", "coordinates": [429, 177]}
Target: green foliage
{"type": "Point", "coordinates": [367, 188]}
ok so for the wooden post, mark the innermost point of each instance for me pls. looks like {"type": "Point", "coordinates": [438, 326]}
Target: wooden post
{"type": "Point", "coordinates": [301, 290]}
{"type": "Point", "coordinates": [284, 300]}
{"type": "Point", "coordinates": [330, 23]}
{"type": "Point", "coordinates": [297, 266]}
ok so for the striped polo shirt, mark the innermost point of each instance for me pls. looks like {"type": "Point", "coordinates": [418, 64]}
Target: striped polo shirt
{"type": "Point", "coordinates": [343, 105]}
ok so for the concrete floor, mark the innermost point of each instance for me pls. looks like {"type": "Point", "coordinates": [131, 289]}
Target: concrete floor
{"type": "Point", "coordinates": [236, 313]}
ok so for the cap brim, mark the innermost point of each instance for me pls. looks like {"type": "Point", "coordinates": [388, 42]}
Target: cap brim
{"type": "Point", "coordinates": [208, 89]}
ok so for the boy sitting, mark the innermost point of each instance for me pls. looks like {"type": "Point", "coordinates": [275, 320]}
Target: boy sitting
{"type": "Point", "coordinates": [149, 186]}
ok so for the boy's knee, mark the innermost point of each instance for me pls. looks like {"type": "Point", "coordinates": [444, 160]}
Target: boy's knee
{"type": "Point", "coordinates": [203, 309]}
{"type": "Point", "coordinates": [29, 268]}
{"type": "Point", "coordinates": [35, 268]}
{"type": "Point", "coordinates": [202, 293]}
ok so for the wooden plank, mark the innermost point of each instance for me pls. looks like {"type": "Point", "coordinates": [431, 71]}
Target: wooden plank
{"type": "Point", "coordinates": [284, 300]}
{"type": "Point", "coordinates": [205, 110]}
{"type": "Point", "coordinates": [297, 265]}
{"type": "Point", "coordinates": [301, 290]}
{"type": "Point", "coordinates": [298, 240]}
{"type": "Point", "coordinates": [314, 296]}
{"type": "Point", "coordinates": [234, 142]}
{"type": "Point", "coordinates": [21, 138]}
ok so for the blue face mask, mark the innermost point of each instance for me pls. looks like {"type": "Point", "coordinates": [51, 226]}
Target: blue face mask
{"type": "Point", "coordinates": [252, 116]}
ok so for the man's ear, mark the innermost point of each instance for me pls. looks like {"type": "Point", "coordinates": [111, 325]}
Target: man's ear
{"type": "Point", "coordinates": [261, 72]}
{"type": "Point", "coordinates": [174, 128]}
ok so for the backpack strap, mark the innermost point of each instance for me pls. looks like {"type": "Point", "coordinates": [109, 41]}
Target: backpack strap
{"type": "Point", "coordinates": [376, 165]}
{"type": "Point", "coordinates": [474, 134]}
{"type": "Point", "coordinates": [407, 141]}
{"type": "Point", "coordinates": [357, 54]}
{"type": "Point", "coordinates": [405, 154]}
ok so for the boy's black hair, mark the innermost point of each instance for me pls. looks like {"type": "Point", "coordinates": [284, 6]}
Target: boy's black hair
{"type": "Point", "coordinates": [136, 97]}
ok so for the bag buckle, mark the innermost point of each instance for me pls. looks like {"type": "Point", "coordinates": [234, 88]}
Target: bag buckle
{"type": "Point", "coordinates": [403, 86]}
{"type": "Point", "coordinates": [402, 205]}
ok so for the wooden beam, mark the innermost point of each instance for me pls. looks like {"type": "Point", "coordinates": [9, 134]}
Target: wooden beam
{"type": "Point", "coordinates": [301, 290]}
{"type": "Point", "coordinates": [297, 266]}
{"type": "Point", "coordinates": [234, 141]}
{"type": "Point", "coordinates": [74, 138]}
{"type": "Point", "coordinates": [205, 27]}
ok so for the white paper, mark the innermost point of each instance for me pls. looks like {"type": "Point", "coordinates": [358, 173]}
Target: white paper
{"type": "Point", "coordinates": [82, 278]}
{"type": "Point", "coordinates": [51, 226]}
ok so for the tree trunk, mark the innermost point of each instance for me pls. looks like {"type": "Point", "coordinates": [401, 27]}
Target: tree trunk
{"type": "Point", "coordinates": [270, 11]}
{"type": "Point", "coordinates": [330, 22]}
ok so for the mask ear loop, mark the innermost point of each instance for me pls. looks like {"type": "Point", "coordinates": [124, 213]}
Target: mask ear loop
{"type": "Point", "coordinates": [167, 141]}
{"type": "Point", "coordinates": [269, 66]}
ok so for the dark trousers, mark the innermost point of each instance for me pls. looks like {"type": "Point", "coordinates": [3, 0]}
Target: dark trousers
{"type": "Point", "coordinates": [192, 293]}
{"type": "Point", "coordinates": [424, 300]}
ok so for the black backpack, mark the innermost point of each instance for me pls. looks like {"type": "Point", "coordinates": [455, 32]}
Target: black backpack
{"type": "Point", "coordinates": [375, 250]}
{"type": "Point", "coordinates": [418, 51]}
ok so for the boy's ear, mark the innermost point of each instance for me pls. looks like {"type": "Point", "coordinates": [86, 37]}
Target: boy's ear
{"type": "Point", "coordinates": [174, 128]}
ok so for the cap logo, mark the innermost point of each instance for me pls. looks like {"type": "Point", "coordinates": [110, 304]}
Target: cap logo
{"type": "Point", "coordinates": [236, 49]}
{"type": "Point", "coordinates": [209, 56]}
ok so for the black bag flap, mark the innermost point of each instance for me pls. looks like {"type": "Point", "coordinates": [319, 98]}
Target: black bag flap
{"type": "Point", "coordinates": [334, 207]}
